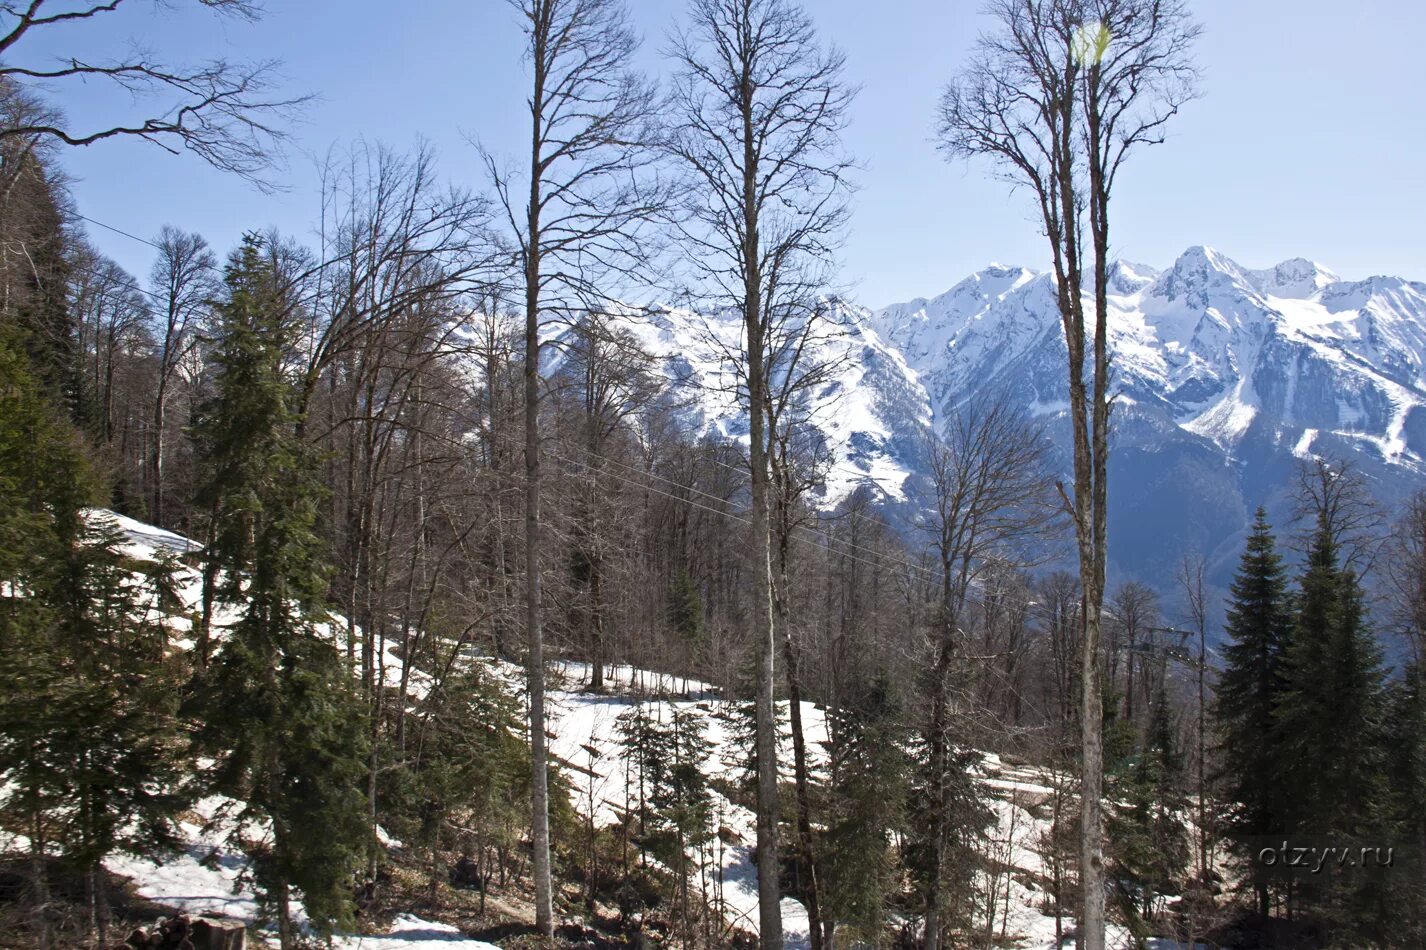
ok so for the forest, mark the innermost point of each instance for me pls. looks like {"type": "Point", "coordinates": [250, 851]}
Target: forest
{"type": "Point", "coordinates": [435, 483]}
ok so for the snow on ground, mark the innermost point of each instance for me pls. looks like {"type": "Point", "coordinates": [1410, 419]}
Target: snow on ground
{"type": "Point", "coordinates": [413, 933]}
{"type": "Point", "coordinates": [206, 878]}
{"type": "Point", "coordinates": [142, 541]}
{"type": "Point", "coordinates": [586, 744]}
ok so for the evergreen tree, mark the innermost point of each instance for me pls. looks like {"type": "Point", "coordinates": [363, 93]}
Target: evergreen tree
{"type": "Point", "coordinates": [1406, 769]}
{"type": "Point", "coordinates": [1330, 726]}
{"type": "Point", "coordinates": [1149, 846]}
{"type": "Point", "coordinates": [278, 706]}
{"type": "Point", "coordinates": [35, 271]}
{"type": "Point", "coordinates": [1249, 691]}
{"type": "Point", "coordinates": [88, 727]}
{"type": "Point", "coordinates": [467, 772]}
{"type": "Point", "coordinates": [870, 771]}
{"type": "Point", "coordinates": [952, 805]}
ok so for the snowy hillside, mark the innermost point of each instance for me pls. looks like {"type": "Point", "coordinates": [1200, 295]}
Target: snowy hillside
{"type": "Point", "coordinates": [587, 743]}
{"type": "Point", "coordinates": [869, 408]}
{"type": "Point", "coordinates": [207, 876]}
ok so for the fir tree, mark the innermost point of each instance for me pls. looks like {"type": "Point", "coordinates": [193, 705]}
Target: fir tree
{"type": "Point", "coordinates": [1406, 770]}
{"type": "Point", "coordinates": [1249, 691]}
{"type": "Point", "coordinates": [468, 770]}
{"type": "Point", "coordinates": [88, 728]}
{"type": "Point", "coordinates": [870, 771]}
{"type": "Point", "coordinates": [1149, 846]}
{"type": "Point", "coordinates": [1330, 726]}
{"type": "Point", "coordinates": [278, 706]}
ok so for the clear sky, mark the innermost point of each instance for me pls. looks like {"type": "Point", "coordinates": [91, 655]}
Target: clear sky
{"type": "Point", "coordinates": [1309, 139]}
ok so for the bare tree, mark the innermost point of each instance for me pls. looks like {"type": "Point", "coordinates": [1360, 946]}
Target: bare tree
{"type": "Point", "coordinates": [1334, 493]}
{"type": "Point", "coordinates": [759, 108]}
{"type": "Point", "coordinates": [1058, 97]}
{"type": "Point", "coordinates": [990, 496]}
{"type": "Point", "coordinates": [610, 371]}
{"type": "Point", "coordinates": [579, 235]}
{"type": "Point", "coordinates": [1406, 575]}
{"type": "Point", "coordinates": [184, 278]}
{"type": "Point", "coordinates": [1136, 614]}
{"type": "Point", "coordinates": [229, 114]}
{"type": "Point", "coordinates": [1191, 582]}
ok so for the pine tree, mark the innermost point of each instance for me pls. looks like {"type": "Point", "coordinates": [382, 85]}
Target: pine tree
{"type": "Point", "coordinates": [1249, 691]}
{"type": "Point", "coordinates": [278, 706]}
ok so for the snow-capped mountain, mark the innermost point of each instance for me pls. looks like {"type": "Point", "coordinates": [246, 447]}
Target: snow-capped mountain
{"type": "Point", "coordinates": [1224, 378]}
{"type": "Point", "coordinates": [867, 406]}
{"type": "Point", "coordinates": [1224, 375]}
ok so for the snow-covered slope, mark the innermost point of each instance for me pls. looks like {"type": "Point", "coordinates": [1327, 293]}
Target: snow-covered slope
{"type": "Point", "coordinates": [206, 876]}
{"type": "Point", "coordinates": [1224, 377]}
{"type": "Point", "coordinates": [867, 406]}
{"type": "Point", "coordinates": [1210, 343]}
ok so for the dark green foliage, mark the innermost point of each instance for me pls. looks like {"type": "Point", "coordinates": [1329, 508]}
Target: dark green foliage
{"type": "Point", "coordinates": [1250, 689]}
{"type": "Point", "coordinates": [36, 276]}
{"type": "Point", "coordinates": [954, 803]}
{"type": "Point", "coordinates": [1330, 719]}
{"type": "Point", "coordinates": [465, 784]}
{"type": "Point", "coordinates": [1148, 839]}
{"type": "Point", "coordinates": [1405, 892]}
{"type": "Point", "coordinates": [278, 706]}
{"type": "Point", "coordinates": [88, 728]}
{"type": "Point", "coordinates": [866, 805]}
{"type": "Point", "coordinates": [1330, 728]}
{"type": "Point", "coordinates": [664, 750]}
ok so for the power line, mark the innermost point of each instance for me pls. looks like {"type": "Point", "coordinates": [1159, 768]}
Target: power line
{"type": "Point", "coordinates": [110, 227]}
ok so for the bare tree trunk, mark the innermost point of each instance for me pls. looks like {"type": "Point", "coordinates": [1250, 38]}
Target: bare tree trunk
{"type": "Point", "coordinates": [760, 556]}
{"type": "Point", "coordinates": [160, 411]}
{"type": "Point", "coordinates": [805, 841]}
{"type": "Point", "coordinates": [534, 633]}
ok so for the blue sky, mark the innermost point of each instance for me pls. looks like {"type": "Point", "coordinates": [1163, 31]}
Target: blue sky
{"type": "Point", "coordinates": [1308, 139]}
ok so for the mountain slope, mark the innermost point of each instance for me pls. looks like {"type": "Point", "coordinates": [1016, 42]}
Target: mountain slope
{"type": "Point", "coordinates": [1224, 376]}
{"type": "Point", "coordinates": [1224, 379]}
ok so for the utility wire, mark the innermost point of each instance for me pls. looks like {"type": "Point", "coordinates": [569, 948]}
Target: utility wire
{"type": "Point", "coordinates": [110, 227]}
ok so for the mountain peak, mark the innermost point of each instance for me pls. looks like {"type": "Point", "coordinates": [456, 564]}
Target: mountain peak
{"type": "Point", "coordinates": [1127, 278]}
{"type": "Point", "coordinates": [1296, 278]}
{"type": "Point", "coordinates": [1200, 274]}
